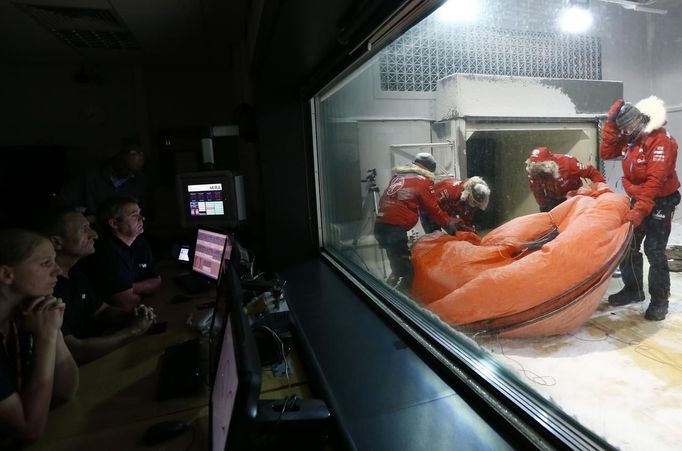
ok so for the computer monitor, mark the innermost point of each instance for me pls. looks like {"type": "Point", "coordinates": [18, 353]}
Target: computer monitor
{"type": "Point", "coordinates": [211, 198]}
{"type": "Point", "coordinates": [209, 250]}
{"type": "Point", "coordinates": [237, 380]}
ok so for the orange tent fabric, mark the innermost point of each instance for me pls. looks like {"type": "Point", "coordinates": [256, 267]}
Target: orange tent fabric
{"type": "Point", "coordinates": [495, 282]}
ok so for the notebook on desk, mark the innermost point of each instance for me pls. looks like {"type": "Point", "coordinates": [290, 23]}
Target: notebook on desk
{"type": "Point", "coordinates": [210, 249]}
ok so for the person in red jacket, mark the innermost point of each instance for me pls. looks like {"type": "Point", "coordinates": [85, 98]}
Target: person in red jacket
{"type": "Point", "coordinates": [635, 133]}
{"type": "Point", "coordinates": [409, 191]}
{"type": "Point", "coordinates": [459, 199]}
{"type": "Point", "coordinates": [552, 176]}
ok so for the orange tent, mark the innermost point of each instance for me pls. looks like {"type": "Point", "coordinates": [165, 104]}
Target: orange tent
{"type": "Point", "coordinates": [536, 275]}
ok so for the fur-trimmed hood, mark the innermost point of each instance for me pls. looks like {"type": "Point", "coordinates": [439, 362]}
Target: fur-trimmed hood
{"type": "Point", "coordinates": [542, 161]}
{"type": "Point", "coordinates": [413, 168]}
{"type": "Point", "coordinates": [475, 192]}
{"type": "Point", "coordinates": [654, 108]}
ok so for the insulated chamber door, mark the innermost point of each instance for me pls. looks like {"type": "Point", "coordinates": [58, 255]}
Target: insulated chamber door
{"type": "Point", "coordinates": [497, 152]}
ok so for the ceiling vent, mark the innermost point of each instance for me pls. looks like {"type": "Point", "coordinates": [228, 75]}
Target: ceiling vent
{"type": "Point", "coordinates": [90, 28]}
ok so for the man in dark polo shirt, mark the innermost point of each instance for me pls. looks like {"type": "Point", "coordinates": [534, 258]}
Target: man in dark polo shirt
{"type": "Point", "coordinates": [123, 268]}
{"type": "Point", "coordinates": [91, 328]}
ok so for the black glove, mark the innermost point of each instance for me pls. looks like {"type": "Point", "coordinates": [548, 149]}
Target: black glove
{"type": "Point", "coordinates": [451, 228]}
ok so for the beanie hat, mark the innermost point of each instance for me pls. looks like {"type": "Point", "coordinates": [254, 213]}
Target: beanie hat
{"type": "Point", "coordinates": [627, 115]}
{"type": "Point", "coordinates": [426, 159]}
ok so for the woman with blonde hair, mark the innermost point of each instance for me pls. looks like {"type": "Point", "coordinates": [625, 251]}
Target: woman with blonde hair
{"type": "Point", "coordinates": [35, 364]}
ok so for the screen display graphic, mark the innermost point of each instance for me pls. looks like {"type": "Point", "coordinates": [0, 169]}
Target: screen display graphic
{"type": "Point", "coordinates": [206, 199]}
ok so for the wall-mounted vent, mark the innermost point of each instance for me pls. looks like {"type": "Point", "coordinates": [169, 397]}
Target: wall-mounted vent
{"type": "Point", "coordinates": [91, 28]}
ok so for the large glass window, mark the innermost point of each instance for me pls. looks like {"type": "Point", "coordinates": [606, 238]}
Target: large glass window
{"type": "Point", "coordinates": [509, 101]}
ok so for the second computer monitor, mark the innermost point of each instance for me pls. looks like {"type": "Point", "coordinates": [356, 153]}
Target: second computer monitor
{"type": "Point", "coordinates": [208, 252]}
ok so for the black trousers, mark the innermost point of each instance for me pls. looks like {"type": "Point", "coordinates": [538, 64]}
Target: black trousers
{"type": "Point", "coordinates": [654, 232]}
{"type": "Point", "coordinates": [393, 239]}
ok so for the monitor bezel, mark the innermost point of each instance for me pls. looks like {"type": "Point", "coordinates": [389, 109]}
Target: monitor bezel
{"type": "Point", "coordinates": [222, 260]}
{"type": "Point", "coordinates": [247, 360]}
{"type": "Point", "coordinates": [231, 205]}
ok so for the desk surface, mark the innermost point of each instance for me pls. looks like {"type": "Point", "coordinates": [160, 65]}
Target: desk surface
{"type": "Point", "coordinates": [115, 401]}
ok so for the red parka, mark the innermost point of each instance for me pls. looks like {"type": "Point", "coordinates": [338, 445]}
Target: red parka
{"type": "Point", "coordinates": [448, 194]}
{"type": "Point", "coordinates": [648, 163]}
{"type": "Point", "coordinates": [562, 174]}
{"type": "Point", "coordinates": [410, 189]}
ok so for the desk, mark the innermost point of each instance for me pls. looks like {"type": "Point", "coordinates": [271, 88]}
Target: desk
{"type": "Point", "coordinates": [115, 401]}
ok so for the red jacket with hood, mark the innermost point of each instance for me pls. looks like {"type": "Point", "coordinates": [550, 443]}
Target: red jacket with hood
{"type": "Point", "coordinates": [560, 174]}
{"type": "Point", "coordinates": [449, 196]}
{"type": "Point", "coordinates": [649, 162]}
{"type": "Point", "coordinates": [410, 189]}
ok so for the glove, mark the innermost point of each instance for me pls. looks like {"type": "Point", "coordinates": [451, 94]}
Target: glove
{"type": "Point", "coordinates": [451, 228]}
{"type": "Point", "coordinates": [635, 217]}
{"type": "Point", "coordinates": [466, 228]}
{"type": "Point", "coordinates": [614, 110]}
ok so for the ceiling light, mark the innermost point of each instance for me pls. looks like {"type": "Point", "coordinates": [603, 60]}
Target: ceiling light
{"type": "Point", "coordinates": [458, 11]}
{"type": "Point", "coordinates": [575, 19]}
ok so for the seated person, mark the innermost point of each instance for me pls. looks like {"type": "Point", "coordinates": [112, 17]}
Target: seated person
{"type": "Point", "coordinates": [459, 199]}
{"type": "Point", "coordinates": [123, 268]}
{"type": "Point", "coordinates": [551, 176]}
{"type": "Point", "coordinates": [86, 316]}
{"type": "Point", "coordinates": [31, 376]}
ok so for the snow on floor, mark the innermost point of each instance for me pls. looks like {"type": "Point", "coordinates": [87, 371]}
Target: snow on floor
{"type": "Point", "coordinates": [619, 374]}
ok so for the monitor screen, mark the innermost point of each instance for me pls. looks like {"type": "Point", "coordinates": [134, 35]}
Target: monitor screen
{"type": "Point", "coordinates": [234, 365]}
{"type": "Point", "coordinates": [183, 255]}
{"type": "Point", "coordinates": [211, 198]}
{"type": "Point", "coordinates": [207, 199]}
{"type": "Point", "coordinates": [208, 252]}
{"type": "Point", "coordinates": [224, 391]}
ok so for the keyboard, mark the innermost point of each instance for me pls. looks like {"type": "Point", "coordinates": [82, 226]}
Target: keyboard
{"type": "Point", "coordinates": [192, 283]}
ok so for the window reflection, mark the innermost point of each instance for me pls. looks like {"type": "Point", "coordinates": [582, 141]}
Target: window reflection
{"type": "Point", "coordinates": [530, 288]}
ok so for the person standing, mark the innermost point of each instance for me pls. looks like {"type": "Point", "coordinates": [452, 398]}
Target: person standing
{"type": "Point", "coordinates": [635, 133]}
{"type": "Point", "coordinates": [121, 176]}
{"type": "Point", "coordinates": [409, 191]}
{"type": "Point", "coordinates": [551, 176]}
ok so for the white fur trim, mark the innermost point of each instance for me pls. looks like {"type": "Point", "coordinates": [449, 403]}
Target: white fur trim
{"type": "Point", "coordinates": [478, 184]}
{"type": "Point", "coordinates": [547, 167]}
{"type": "Point", "coordinates": [414, 169]}
{"type": "Point", "coordinates": [654, 108]}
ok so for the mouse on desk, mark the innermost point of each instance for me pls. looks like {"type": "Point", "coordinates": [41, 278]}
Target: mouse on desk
{"type": "Point", "coordinates": [165, 430]}
{"type": "Point", "coordinates": [180, 298]}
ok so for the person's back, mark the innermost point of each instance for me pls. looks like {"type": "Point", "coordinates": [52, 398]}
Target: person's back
{"type": "Point", "coordinates": [410, 191]}
{"type": "Point", "coordinates": [460, 199]}
{"type": "Point", "coordinates": [552, 176]}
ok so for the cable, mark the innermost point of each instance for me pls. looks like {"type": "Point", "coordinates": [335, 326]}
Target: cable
{"type": "Point", "coordinates": [530, 375]}
{"type": "Point", "coordinates": [282, 352]}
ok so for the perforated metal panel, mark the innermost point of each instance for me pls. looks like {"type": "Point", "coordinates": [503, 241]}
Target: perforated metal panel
{"type": "Point", "coordinates": [84, 27]}
{"type": "Point", "coordinates": [432, 50]}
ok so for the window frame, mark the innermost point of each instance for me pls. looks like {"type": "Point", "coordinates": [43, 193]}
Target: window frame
{"type": "Point", "coordinates": [498, 390]}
